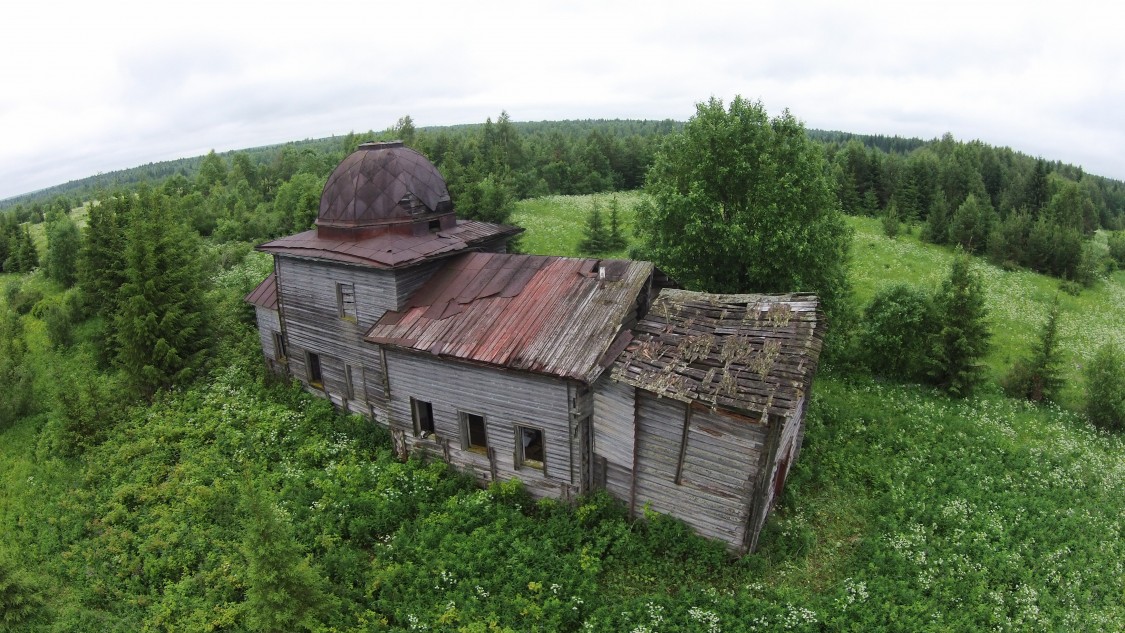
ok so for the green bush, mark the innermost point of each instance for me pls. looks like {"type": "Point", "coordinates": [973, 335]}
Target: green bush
{"type": "Point", "coordinates": [897, 331]}
{"type": "Point", "coordinates": [20, 602]}
{"type": "Point", "coordinates": [1116, 242]}
{"type": "Point", "coordinates": [1105, 388]}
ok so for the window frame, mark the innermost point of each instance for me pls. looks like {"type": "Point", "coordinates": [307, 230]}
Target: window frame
{"type": "Point", "coordinates": [417, 407]}
{"type": "Point", "coordinates": [522, 461]}
{"type": "Point", "coordinates": [280, 354]}
{"type": "Point", "coordinates": [349, 384]}
{"type": "Point", "coordinates": [346, 301]}
{"type": "Point", "coordinates": [315, 378]}
{"type": "Point", "coordinates": [466, 431]}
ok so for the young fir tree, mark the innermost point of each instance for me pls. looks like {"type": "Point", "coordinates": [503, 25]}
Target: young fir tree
{"type": "Point", "coordinates": [595, 240]}
{"type": "Point", "coordinates": [63, 243]}
{"type": "Point", "coordinates": [963, 335]}
{"type": "Point", "coordinates": [160, 307]}
{"type": "Point", "coordinates": [1039, 378]}
{"type": "Point", "coordinates": [891, 223]}
{"type": "Point", "coordinates": [283, 591]}
{"type": "Point", "coordinates": [16, 377]}
{"type": "Point", "coordinates": [617, 240]}
{"type": "Point", "coordinates": [20, 602]}
{"type": "Point", "coordinates": [936, 229]}
{"type": "Point", "coordinates": [22, 254]}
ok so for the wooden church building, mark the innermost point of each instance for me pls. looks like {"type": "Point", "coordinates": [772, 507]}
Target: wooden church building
{"type": "Point", "coordinates": [572, 374]}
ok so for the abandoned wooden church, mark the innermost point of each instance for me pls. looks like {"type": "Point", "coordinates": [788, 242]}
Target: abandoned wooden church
{"type": "Point", "coordinates": [571, 374]}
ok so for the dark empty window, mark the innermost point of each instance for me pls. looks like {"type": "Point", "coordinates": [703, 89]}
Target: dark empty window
{"type": "Point", "coordinates": [529, 447]}
{"type": "Point", "coordinates": [279, 346]}
{"type": "Point", "coordinates": [475, 437]}
{"type": "Point", "coordinates": [423, 413]}
{"type": "Point", "coordinates": [345, 300]}
{"type": "Point", "coordinates": [435, 225]}
{"type": "Point", "coordinates": [313, 367]}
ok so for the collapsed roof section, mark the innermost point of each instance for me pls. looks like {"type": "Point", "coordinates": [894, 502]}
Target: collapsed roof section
{"type": "Point", "coordinates": [752, 354]}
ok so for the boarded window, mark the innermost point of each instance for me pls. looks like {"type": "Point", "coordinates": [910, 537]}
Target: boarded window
{"type": "Point", "coordinates": [529, 447]}
{"type": "Point", "coordinates": [423, 413]}
{"type": "Point", "coordinates": [312, 367]}
{"type": "Point", "coordinates": [345, 300]}
{"type": "Point", "coordinates": [279, 346]}
{"type": "Point", "coordinates": [472, 426]}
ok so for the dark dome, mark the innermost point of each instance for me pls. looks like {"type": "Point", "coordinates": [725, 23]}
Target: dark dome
{"type": "Point", "coordinates": [381, 184]}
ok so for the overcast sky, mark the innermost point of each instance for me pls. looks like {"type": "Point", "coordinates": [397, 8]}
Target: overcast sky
{"type": "Point", "coordinates": [96, 86]}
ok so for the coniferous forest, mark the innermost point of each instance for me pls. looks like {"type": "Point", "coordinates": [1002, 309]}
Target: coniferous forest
{"type": "Point", "coordinates": [964, 467]}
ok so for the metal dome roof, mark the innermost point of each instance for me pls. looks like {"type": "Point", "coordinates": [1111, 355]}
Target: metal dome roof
{"type": "Point", "coordinates": [380, 184]}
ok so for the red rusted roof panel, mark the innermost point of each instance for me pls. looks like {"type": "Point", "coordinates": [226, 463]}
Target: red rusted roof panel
{"type": "Point", "coordinates": [265, 295]}
{"type": "Point", "coordinates": [548, 315]}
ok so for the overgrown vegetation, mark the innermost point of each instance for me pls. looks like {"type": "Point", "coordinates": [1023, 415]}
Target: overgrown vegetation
{"type": "Point", "coordinates": [232, 503]}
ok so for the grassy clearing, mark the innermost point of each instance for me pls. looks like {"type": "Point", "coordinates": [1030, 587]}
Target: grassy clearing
{"type": "Point", "coordinates": [39, 231]}
{"type": "Point", "coordinates": [1018, 301]}
{"type": "Point", "coordinates": [555, 224]}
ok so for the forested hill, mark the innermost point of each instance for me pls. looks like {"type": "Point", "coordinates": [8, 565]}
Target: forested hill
{"type": "Point", "coordinates": [621, 150]}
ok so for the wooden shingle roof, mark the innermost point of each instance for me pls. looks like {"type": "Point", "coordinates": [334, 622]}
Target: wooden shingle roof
{"type": "Point", "coordinates": [549, 315]}
{"type": "Point", "coordinates": [753, 354]}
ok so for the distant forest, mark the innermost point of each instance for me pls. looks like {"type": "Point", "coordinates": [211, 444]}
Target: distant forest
{"type": "Point", "coordinates": [1020, 210]}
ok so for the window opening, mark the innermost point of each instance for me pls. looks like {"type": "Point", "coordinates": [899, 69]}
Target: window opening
{"type": "Point", "coordinates": [475, 437]}
{"type": "Point", "coordinates": [345, 300]}
{"type": "Point", "coordinates": [530, 447]}
{"type": "Point", "coordinates": [349, 386]}
{"type": "Point", "coordinates": [435, 225]}
{"type": "Point", "coordinates": [313, 362]}
{"type": "Point", "coordinates": [279, 346]}
{"type": "Point", "coordinates": [423, 413]}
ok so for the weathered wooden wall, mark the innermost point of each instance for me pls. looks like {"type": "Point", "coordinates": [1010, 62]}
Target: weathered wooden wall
{"type": "Point", "coordinates": [784, 446]}
{"type": "Point", "coordinates": [505, 399]}
{"type": "Point", "coordinates": [268, 323]}
{"type": "Point", "coordinates": [689, 462]}
{"type": "Point", "coordinates": [307, 294]}
{"type": "Point", "coordinates": [614, 436]}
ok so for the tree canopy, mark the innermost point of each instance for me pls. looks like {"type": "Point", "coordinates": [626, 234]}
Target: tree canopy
{"type": "Point", "coordinates": [745, 203]}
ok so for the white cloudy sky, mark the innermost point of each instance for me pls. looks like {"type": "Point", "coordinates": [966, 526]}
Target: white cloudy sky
{"type": "Point", "coordinates": [95, 86]}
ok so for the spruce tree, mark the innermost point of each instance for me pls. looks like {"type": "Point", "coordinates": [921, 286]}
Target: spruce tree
{"type": "Point", "coordinates": [963, 335]}
{"type": "Point", "coordinates": [284, 592]}
{"type": "Point", "coordinates": [16, 377]}
{"type": "Point", "coordinates": [160, 307]}
{"type": "Point", "coordinates": [595, 240]}
{"type": "Point", "coordinates": [63, 243]}
{"type": "Point", "coordinates": [22, 254]}
{"type": "Point", "coordinates": [1039, 378]}
{"type": "Point", "coordinates": [936, 229]}
{"type": "Point", "coordinates": [20, 602]}
{"type": "Point", "coordinates": [617, 241]}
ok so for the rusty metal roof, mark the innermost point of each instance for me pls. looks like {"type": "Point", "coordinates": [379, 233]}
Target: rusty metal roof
{"type": "Point", "coordinates": [747, 353]}
{"type": "Point", "coordinates": [549, 315]}
{"type": "Point", "coordinates": [265, 295]}
{"type": "Point", "coordinates": [379, 182]}
{"type": "Point", "coordinates": [389, 250]}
